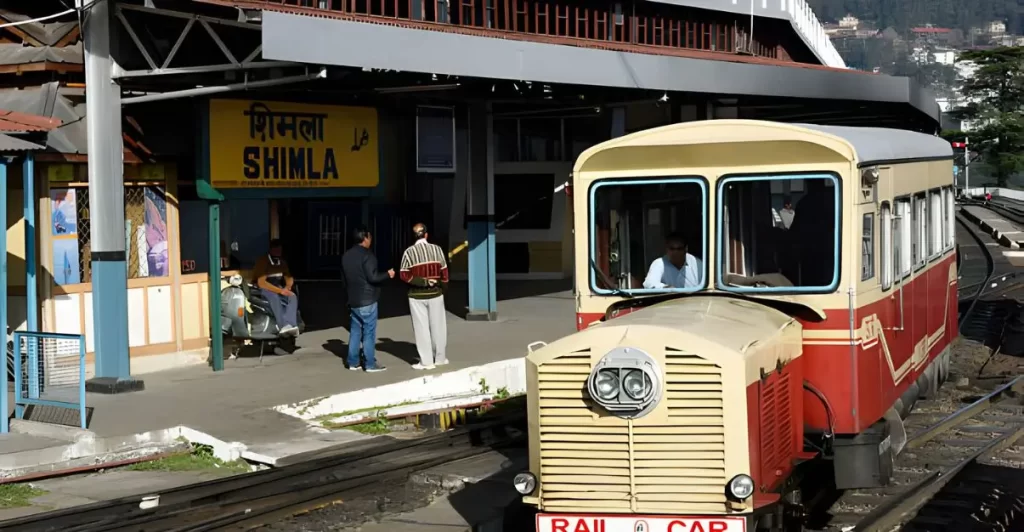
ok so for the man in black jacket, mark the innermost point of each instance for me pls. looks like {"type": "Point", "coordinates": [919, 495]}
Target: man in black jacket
{"type": "Point", "coordinates": [363, 281]}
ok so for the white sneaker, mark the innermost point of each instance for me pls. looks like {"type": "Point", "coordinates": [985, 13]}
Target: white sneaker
{"type": "Point", "coordinates": [441, 363]}
{"type": "Point", "coordinates": [289, 330]}
{"type": "Point", "coordinates": [421, 366]}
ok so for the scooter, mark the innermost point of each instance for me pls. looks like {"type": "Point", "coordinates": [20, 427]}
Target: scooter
{"type": "Point", "coordinates": [247, 319]}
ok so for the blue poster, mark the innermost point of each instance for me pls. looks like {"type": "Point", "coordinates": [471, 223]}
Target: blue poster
{"type": "Point", "coordinates": [65, 261]}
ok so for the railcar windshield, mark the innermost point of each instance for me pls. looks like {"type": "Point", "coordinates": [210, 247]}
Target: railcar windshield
{"type": "Point", "coordinates": [648, 235]}
{"type": "Point", "coordinates": [778, 233]}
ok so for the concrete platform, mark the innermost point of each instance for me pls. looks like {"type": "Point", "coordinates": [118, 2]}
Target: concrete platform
{"type": "Point", "coordinates": [1004, 231]}
{"type": "Point", "coordinates": [238, 404]}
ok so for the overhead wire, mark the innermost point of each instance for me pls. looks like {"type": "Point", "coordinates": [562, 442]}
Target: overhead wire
{"type": "Point", "coordinates": [37, 19]}
{"type": "Point", "coordinates": [67, 11]}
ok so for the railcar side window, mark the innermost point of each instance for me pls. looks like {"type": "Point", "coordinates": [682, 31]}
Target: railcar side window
{"type": "Point", "coordinates": [886, 247]}
{"type": "Point", "coordinates": [648, 235]}
{"type": "Point", "coordinates": [903, 238]}
{"type": "Point", "coordinates": [867, 247]}
{"type": "Point", "coordinates": [935, 241]}
{"type": "Point", "coordinates": [778, 233]}
{"type": "Point", "coordinates": [920, 231]}
{"type": "Point", "coordinates": [950, 225]}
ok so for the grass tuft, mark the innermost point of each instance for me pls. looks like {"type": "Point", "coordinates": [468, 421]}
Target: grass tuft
{"type": "Point", "coordinates": [18, 495]}
{"type": "Point", "coordinates": [199, 458]}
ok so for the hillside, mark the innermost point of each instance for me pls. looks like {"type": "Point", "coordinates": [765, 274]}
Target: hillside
{"type": "Point", "coordinates": [903, 14]}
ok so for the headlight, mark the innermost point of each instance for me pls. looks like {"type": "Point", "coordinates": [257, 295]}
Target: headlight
{"type": "Point", "coordinates": [626, 382]}
{"type": "Point", "coordinates": [607, 384]}
{"type": "Point", "coordinates": [634, 383]}
{"type": "Point", "coordinates": [525, 483]}
{"type": "Point", "coordinates": [741, 487]}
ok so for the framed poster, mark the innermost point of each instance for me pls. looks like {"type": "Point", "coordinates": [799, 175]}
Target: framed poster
{"type": "Point", "coordinates": [435, 139]}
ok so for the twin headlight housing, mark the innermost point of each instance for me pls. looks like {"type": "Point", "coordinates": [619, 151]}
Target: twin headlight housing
{"type": "Point", "coordinates": [626, 382]}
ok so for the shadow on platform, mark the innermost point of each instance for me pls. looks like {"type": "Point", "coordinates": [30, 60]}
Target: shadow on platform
{"type": "Point", "coordinates": [324, 305]}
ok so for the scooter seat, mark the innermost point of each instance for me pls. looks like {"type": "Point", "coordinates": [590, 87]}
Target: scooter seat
{"type": "Point", "coordinates": [265, 337]}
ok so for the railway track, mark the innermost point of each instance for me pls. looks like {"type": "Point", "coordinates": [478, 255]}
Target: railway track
{"type": "Point", "coordinates": [950, 474]}
{"type": "Point", "coordinates": [251, 500]}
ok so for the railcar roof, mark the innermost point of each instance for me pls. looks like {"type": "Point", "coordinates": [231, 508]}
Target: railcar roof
{"type": "Point", "coordinates": [865, 144]}
{"type": "Point", "coordinates": [874, 144]}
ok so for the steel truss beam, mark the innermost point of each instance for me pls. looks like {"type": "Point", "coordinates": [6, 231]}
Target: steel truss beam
{"type": "Point", "coordinates": [210, 25]}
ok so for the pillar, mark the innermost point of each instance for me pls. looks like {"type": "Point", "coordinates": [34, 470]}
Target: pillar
{"type": "Point", "coordinates": [31, 238]}
{"type": "Point", "coordinates": [483, 304]}
{"type": "Point", "coordinates": [4, 427]}
{"type": "Point", "coordinates": [618, 122]}
{"type": "Point", "coordinates": [106, 208]}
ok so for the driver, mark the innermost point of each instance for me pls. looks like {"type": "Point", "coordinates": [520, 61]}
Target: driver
{"type": "Point", "coordinates": [275, 282]}
{"type": "Point", "coordinates": [677, 268]}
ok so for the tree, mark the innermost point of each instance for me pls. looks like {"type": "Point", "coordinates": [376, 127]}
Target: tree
{"type": "Point", "coordinates": [995, 96]}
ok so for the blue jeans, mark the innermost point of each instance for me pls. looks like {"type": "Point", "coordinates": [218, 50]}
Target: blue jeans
{"type": "Point", "coordinates": [285, 308]}
{"type": "Point", "coordinates": [363, 329]}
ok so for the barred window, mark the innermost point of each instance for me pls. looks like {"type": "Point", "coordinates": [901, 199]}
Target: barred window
{"type": "Point", "coordinates": [146, 234]}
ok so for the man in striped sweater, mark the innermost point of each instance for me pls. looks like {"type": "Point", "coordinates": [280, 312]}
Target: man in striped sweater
{"type": "Point", "coordinates": [425, 269]}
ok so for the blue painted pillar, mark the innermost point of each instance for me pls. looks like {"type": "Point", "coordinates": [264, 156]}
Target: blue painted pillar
{"type": "Point", "coordinates": [483, 304]}
{"type": "Point", "coordinates": [106, 208]}
{"type": "Point", "coordinates": [4, 427]}
{"type": "Point", "coordinates": [31, 238]}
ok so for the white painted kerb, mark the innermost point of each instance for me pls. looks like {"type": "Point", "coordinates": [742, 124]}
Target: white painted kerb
{"type": "Point", "coordinates": [441, 390]}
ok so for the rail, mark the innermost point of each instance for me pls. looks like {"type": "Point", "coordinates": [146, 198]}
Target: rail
{"type": "Point", "coordinates": [990, 270]}
{"type": "Point", "coordinates": [263, 497]}
{"type": "Point", "coordinates": [895, 511]}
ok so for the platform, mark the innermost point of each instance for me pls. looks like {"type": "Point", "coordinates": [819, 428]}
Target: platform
{"type": "Point", "coordinates": [237, 404]}
{"type": "Point", "coordinates": [1006, 232]}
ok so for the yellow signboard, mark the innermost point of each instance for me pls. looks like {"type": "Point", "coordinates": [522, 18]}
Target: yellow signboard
{"type": "Point", "coordinates": [60, 173]}
{"type": "Point", "coordinates": [151, 172]}
{"type": "Point", "coordinates": [256, 144]}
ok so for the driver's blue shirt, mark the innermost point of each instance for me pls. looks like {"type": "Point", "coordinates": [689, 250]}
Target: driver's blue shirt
{"type": "Point", "coordinates": [663, 273]}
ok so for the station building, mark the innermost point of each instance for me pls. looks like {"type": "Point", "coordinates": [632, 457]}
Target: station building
{"type": "Point", "coordinates": [308, 117]}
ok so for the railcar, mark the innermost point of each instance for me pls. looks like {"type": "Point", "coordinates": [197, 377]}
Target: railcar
{"type": "Point", "coordinates": [752, 297]}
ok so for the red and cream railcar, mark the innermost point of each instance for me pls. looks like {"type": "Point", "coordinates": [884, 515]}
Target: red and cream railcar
{"type": "Point", "coordinates": [742, 287]}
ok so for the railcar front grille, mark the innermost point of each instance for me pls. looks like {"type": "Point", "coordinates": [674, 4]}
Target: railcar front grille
{"type": "Point", "coordinates": [591, 460]}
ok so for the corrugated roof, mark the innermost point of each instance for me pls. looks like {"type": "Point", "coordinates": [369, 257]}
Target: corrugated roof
{"type": "Point", "coordinates": [15, 122]}
{"type": "Point", "coordinates": [18, 54]}
{"type": "Point", "coordinates": [47, 101]}
{"type": "Point", "coordinates": [9, 143]}
{"type": "Point", "coordinates": [47, 33]}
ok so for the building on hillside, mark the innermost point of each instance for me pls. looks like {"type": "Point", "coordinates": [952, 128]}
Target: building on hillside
{"type": "Point", "coordinates": [849, 21]}
{"type": "Point", "coordinates": [945, 57]}
{"type": "Point", "coordinates": [996, 28]}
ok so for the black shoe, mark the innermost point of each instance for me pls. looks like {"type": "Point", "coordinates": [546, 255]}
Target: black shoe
{"type": "Point", "coordinates": [376, 369]}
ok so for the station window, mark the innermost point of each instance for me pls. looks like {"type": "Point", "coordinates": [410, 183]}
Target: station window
{"type": "Point", "coordinates": [648, 236]}
{"type": "Point", "coordinates": [867, 247]}
{"type": "Point", "coordinates": [146, 233]}
{"type": "Point", "coordinates": [886, 247]}
{"type": "Point", "coordinates": [778, 233]}
{"type": "Point", "coordinates": [903, 239]}
{"type": "Point", "coordinates": [936, 224]}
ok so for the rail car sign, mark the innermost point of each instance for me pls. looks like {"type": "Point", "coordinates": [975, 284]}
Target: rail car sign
{"type": "Point", "coordinates": [633, 523]}
{"type": "Point", "coordinates": [260, 144]}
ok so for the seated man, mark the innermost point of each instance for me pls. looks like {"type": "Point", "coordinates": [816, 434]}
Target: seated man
{"type": "Point", "coordinates": [677, 268]}
{"type": "Point", "coordinates": [275, 282]}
